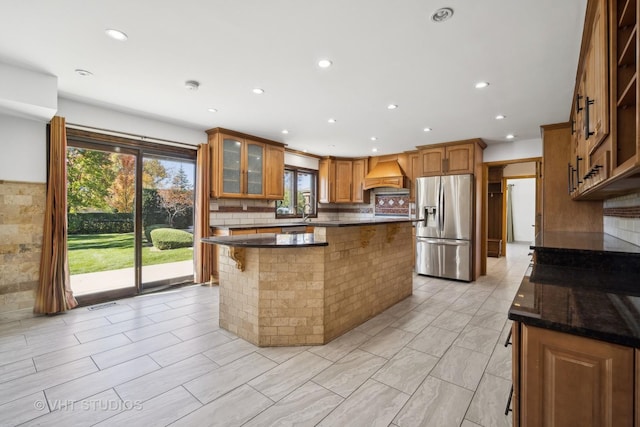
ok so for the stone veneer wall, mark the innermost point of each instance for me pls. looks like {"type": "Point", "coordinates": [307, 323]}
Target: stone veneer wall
{"type": "Point", "coordinates": [308, 296]}
{"type": "Point", "coordinates": [21, 223]}
{"type": "Point", "coordinates": [622, 217]}
{"type": "Point", "coordinates": [361, 282]}
{"type": "Point", "coordinates": [274, 302]}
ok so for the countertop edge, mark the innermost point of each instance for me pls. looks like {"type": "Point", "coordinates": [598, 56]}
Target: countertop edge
{"type": "Point", "coordinates": [345, 223]}
{"type": "Point", "coordinates": [624, 340]}
{"type": "Point", "coordinates": [266, 241]}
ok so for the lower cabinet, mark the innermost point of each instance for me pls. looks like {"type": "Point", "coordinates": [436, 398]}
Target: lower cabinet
{"type": "Point", "coordinates": [562, 379]}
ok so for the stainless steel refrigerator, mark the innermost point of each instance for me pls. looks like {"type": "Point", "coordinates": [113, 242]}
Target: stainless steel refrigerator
{"type": "Point", "coordinates": [444, 210]}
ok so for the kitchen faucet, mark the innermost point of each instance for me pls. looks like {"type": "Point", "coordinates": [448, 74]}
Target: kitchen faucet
{"type": "Point", "coordinates": [307, 209]}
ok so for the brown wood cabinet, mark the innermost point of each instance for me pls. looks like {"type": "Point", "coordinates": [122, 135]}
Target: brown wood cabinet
{"type": "Point", "coordinates": [559, 211]}
{"type": "Point", "coordinates": [449, 158]}
{"type": "Point", "coordinates": [605, 161]}
{"type": "Point", "coordinates": [414, 166]}
{"type": "Point", "coordinates": [244, 166]}
{"type": "Point", "coordinates": [342, 180]}
{"type": "Point", "coordinates": [496, 198]}
{"type": "Point", "coordinates": [360, 169]}
{"type": "Point", "coordinates": [567, 380]}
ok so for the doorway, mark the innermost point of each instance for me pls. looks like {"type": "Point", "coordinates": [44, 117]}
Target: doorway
{"type": "Point", "coordinates": [130, 216]}
{"type": "Point", "coordinates": [495, 203]}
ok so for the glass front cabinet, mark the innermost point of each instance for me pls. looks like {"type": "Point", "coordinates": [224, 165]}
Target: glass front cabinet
{"type": "Point", "coordinates": [239, 165]}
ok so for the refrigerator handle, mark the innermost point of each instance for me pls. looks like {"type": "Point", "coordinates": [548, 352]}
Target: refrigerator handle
{"type": "Point", "coordinates": [441, 210]}
{"type": "Point", "coordinates": [426, 216]}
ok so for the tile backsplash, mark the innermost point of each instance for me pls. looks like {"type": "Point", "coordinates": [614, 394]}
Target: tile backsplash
{"type": "Point", "coordinates": [391, 204]}
{"type": "Point", "coordinates": [622, 217]}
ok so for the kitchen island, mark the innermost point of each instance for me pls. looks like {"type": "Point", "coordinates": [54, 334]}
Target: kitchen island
{"type": "Point", "coordinates": [309, 288]}
{"type": "Point", "coordinates": [576, 332]}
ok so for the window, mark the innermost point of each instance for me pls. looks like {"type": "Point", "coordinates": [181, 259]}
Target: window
{"type": "Point", "coordinates": [299, 194]}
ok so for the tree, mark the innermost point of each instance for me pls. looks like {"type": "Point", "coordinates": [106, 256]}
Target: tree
{"type": "Point", "coordinates": [122, 191]}
{"type": "Point", "coordinates": [154, 173]}
{"type": "Point", "coordinates": [89, 176]}
{"type": "Point", "coordinates": [177, 199]}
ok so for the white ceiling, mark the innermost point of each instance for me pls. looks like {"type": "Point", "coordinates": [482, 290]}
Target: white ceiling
{"type": "Point", "coordinates": [383, 52]}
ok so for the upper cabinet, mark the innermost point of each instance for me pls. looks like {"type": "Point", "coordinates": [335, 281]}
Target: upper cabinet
{"type": "Point", "coordinates": [450, 158]}
{"type": "Point", "coordinates": [359, 171]}
{"type": "Point", "coordinates": [239, 166]}
{"type": "Point", "coordinates": [605, 160]}
{"type": "Point", "coordinates": [342, 180]}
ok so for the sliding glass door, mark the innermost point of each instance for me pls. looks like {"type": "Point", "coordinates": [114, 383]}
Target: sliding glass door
{"type": "Point", "coordinates": [130, 218]}
{"type": "Point", "coordinates": [101, 201]}
{"type": "Point", "coordinates": [167, 220]}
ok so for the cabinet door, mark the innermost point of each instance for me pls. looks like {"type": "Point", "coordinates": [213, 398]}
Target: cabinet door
{"type": "Point", "coordinates": [415, 171]}
{"type": "Point", "coordinates": [359, 172]}
{"type": "Point", "coordinates": [274, 174]}
{"type": "Point", "coordinates": [344, 175]}
{"type": "Point", "coordinates": [597, 79]}
{"type": "Point", "coordinates": [230, 165]}
{"type": "Point", "coordinates": [432, 161]}
{"type": "Point", "coordinates": [254, 170]}
{"type": "Point", "coordinates": [567, 380]}
{"type": "Point", "coordinates": [459, 159]}
{"type": "Point", "coordinates": [325, 179]}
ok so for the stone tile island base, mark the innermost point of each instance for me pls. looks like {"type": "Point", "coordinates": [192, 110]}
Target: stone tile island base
{"type": "Point", "coordinates": [311, 295]}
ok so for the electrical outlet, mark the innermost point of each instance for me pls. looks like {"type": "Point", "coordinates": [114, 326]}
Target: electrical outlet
{"type": "Point", "coordinates": [244, 206]}
{"type": "Point", "coordinates": [215, 207]}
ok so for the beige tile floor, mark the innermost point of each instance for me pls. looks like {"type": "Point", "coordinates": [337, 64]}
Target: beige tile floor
{"type": "Point", "coordinates": [434, 359]}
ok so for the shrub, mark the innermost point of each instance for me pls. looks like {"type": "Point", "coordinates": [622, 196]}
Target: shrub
{"type": "Point", "coordinates": [169, 238]}
{"type": "Point", "coordinates": [99, 223]}
{"type": "Point", "coordinates": [149, 228]}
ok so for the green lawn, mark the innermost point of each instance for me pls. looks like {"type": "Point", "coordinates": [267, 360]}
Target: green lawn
{"type": "Point", "coordinates": [89, 253]}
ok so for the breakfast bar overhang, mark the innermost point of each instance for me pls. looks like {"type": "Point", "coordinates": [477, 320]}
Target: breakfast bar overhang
{"type": "Point", "coordinates": [309, 288]}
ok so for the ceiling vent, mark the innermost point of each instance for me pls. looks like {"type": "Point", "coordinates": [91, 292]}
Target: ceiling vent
{"type": "Point", "coordinates": [442, 14]}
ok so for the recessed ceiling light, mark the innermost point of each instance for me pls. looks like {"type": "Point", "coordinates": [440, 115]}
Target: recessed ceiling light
{"type": "Point", "coordinates": [116, 34]}
{"type": "Point", "coordinates": [427, 129]}
{"type": "Point", "coordinates": [324, 63]}
{"type": "Point", "coordinates": [285, 131]}
{"type": "Point", "coordinates": [392, 106]}
{"type": "Point", "coordinates": [258, 91]}
{"type": "Point", "coordinates": [442, 14]}
{"type": "Point", "coordinates": [331, 120]}
{"type": "Point", "coordinates": [500, 117]}
{"type": "Point", "coordinates": [511, 136]}
{"type": "Point", "coordinates": [373, 138]}
{"type": "Point", "coordinates": [374, 149]}
{"type": "Point", "coordinates": [212, 110]}
{"type": "Point", "coordinates": [305, 150]}
{"type": "Point", "coordinates": [83, 73]}
{"type": "Point", "coordinates": [482, 85]}
{"type": "Point", "coordinates": [191, 85]}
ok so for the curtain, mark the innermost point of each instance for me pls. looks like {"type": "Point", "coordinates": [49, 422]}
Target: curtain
{"type": "Point", "coordinates": [509, 213]}
{"type": "Point", "coordinates": [203, 251]}
{"type": "Point", "coordinates": [54, 293]}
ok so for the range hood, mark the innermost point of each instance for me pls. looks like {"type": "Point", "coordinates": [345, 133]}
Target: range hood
{"type": "Point", "coordinates": [386, 174]}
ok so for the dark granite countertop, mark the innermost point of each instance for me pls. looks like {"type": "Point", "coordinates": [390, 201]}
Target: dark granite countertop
{"type": "Point", "coordinates": [315, 223]}
{"type": "Point", "coordinates": [581, 241]}
{"type": "Point", "coordinates": [586, 302]}
{"type": "Point", "coordinates": [268, 240]}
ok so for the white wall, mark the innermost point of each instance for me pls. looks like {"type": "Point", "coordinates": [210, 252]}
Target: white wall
{"type": "Point", "coordinates": [24, 146]}
{"type": "Point", "coordinates": [523, 194]}
{"type": "Point", "coordinates": [104, 118]}
{"type": "Point", "coordinates": [27, 94]}
{"type": "Point", "coordinates": [513, 150]}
